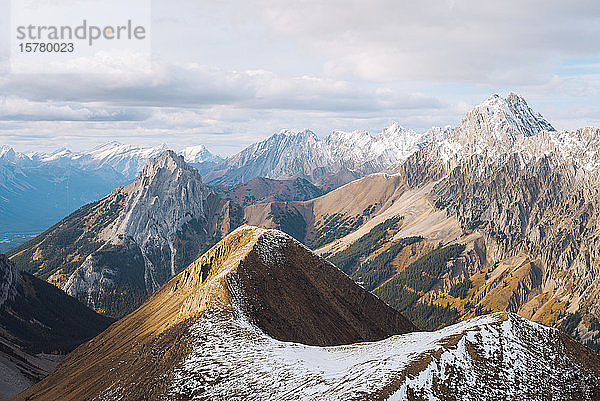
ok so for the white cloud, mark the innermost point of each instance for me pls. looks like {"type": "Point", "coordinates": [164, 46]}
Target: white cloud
{"type": "Point", "coordinates": [506, 42]}
{"type": "Point", "coordinates": [229, 73]}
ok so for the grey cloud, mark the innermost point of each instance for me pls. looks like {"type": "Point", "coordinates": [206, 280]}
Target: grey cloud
{"type": "Point", "coordinates": [509, 41]}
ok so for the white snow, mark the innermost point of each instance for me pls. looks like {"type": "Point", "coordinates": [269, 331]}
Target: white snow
{"type": "Point", "coordinates": [199, 154]}
{"type": "Point", "coordinates": [232, 359]}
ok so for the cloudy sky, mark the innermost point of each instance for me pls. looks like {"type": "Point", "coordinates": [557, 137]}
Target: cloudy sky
{"type": "Point", "coordinates": [228, 73]}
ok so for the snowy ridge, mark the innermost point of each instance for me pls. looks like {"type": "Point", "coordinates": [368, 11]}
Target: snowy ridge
{"type": "Point", "coordinates": [232, 358]}
{"type": "Point", "coordinates": [499, 127]}
{"type": "Point", "coordinates": [125, 159]}
{"type": "Point", "coordinates": [290, 154]}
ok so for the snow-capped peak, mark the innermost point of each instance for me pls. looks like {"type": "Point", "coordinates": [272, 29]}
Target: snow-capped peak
{"type": "Point", "coordinates": [305, 134]}
{"type": "Point", "coordinates": [61, 153]}
{"type": "Point", "coordinates": [496, 125]}
{"type": "Point", "coordinates": [393, 129]}
{"type": "Point", "coordinates": [7, 153]}
{"type": "Point", "coordinates": [126, 159]}
{"type": "Point", "coordinates": [199, 154]}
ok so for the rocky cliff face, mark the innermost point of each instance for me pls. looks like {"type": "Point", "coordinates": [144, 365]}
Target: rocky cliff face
{"type": "Point", "coordinates": [8, 280]}
{"type": "Point", "coordinates": [532, 194]}
{"type": "Point", "coordinates": [547, 210]}
{"type": "Point", "coordinates": [523, 200]}
{"type": "Point", "coordinates": [238, 323]}
{"type": "Point", "coordinates": [114, 253]}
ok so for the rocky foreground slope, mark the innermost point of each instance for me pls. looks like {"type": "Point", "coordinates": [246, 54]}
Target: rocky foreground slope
{"type": "Point", "coordinates": [37, 320]}
{"type": "Point", "coordinates": [261, 317]}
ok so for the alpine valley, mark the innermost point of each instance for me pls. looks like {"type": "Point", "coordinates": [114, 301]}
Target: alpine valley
{"type": "Point", "coordinates": [309, 268]}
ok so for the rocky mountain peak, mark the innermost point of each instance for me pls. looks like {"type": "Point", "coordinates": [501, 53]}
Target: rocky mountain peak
{"type": "Point", "coordinates": [393, 129]}
{"type": "Point", "coordinates": [285, 289]}
{"type": "Point", "coordinates": [495, 126]}
{"type": "Point", "coordinates": [298, 136]}
{"type": "Point", "coordinates": [168, 193]}
{"type": "Point", "coordinates": [168, 163]}
{"type": "Point", "coordinates": [199, 154]}
{"type": "Point", "coordinates": [6, 152]}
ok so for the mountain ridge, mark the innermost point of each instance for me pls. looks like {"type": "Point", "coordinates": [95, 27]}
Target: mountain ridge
{"type": "Point", "coordinates": [114, 253]}
{"type": "Point", "coordinates": [292, 154]}
{"type": "Point", "coordinates": [226, 326]}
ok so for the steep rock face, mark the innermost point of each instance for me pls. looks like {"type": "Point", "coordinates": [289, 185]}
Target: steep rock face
{"type": "Point", "coordinates": [114, 253]}
{"type": "Point", "coordinates": [8, 280]}
{"type": "Point", "coordinates": [522, 198]}
{"type": "Point", "coordinates": [215, 331]}
{"type": "Point", "coordinates": [38, 317]}
{"type": "Point", "coordinates": [531, 194]}
{"type": "Point", "coordinates": [547, 210]}
{"type": "Point", "coordinates": [166, 197]}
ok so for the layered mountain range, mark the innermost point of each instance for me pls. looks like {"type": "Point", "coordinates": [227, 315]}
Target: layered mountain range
{"type": "Point", "coordinates": [500, 213]}
{"type": "Point", "coordinates": [333, 161]}
{"type": "Point", "coordinates": [518, 198]}
{"type": "Point", "coordinates": [259, 316]}
{"type": "Point", "coordinates": [38, 189]}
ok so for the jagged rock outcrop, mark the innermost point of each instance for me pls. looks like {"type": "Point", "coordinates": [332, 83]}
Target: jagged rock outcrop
{"type": "Point", "coordinates": [116, 252]}
{"type": "Point", "coordinates": [523, 198]}
{"type": "Point", "coordinates": [8, 280]}
{"type": "Point", "coordinates": [531, 192]}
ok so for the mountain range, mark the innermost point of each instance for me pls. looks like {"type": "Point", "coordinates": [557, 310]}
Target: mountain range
{"type": "Point", "coordinates": [38, 189]}
{"type": "Point", "coordinates": [330, 162]}
{"type": "Point", "coordinates": [67, 180]}
{"type": "Point", "coordinates": [473, 233]}
{"type": "Point", "coordinates": [259, 316]}
{"type": "Point", "coordinates": [519, 196]}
